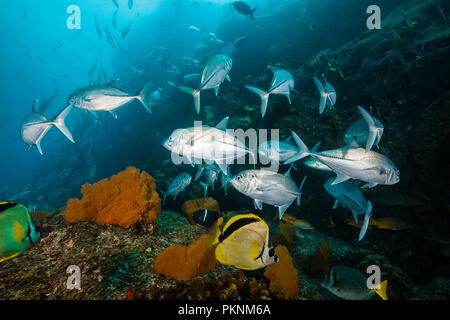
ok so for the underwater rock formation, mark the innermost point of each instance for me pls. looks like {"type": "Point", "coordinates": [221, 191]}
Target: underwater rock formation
{"type": "Point", "coordinates": [124, 199]}
{"type": "Point", "coordinates": [194, 205]}
{"type": "Point", "coordinates": [283, 274]}
{"type": "Point", "coordinates": [227, 287]}
{"type": "Point", "coordinates": [184, 263]}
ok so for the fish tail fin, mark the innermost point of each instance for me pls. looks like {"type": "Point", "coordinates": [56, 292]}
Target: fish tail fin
{"type": "Point", "coordinates": [38, 146]}
{"type": "Point", "coordinates": [251, 12]}
{"type": "Point", "coordinates": [299, 197]}
{"type": "Point", "coordinates": [205, 188]}
{"type": "Point", "coordinates": [142, 97]}
{"type": "Point", "coordinates": [303, 150]}
{"type": "Point", "coordinates": [199, 173]}
{"type": "Point", "coordinates": [195, 94]}
{"type": "Point", "coordinates": [323, 97]}
{"type": "Point", "coordinates": [164, 198]}
{"type": "Point", "coordinates": [372, 128]}
{"type": "Point", "coordinates": [264, 96]}
{"type": "Point", "coordinates": [365, 225]}
{"type": "Point", "coordinates": [382, 290]}
{"type": "Point", "coordinates": [61, 125]}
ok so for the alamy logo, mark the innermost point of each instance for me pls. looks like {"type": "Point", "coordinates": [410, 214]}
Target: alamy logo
{"type": "Point", "coordinates": [74, 20]}
{"type": "Point", "coordinates": [74, 280]}
{"type": "Point", "coordinates": [374, 280]}
{"type": "Point", "coordinates": [374, 21]}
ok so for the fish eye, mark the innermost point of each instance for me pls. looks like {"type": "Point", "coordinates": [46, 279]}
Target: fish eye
{"type": "Point", "coordinates": [397, 172]}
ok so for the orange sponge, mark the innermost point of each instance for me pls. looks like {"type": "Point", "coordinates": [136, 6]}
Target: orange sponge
{"type": "Point", "coordinates": [184, 263]}
{"type": "Point", "coordinates": [122, 200]}
{"type": "Point", "coordinates": [282, 274]}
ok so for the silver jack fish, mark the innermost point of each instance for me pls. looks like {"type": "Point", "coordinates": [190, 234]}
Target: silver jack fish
{"type": "Point", "coordinates": [356, 163]}
{"type": "Point", "coordinates": [277, 151]}
{"type": "Point", "coordinates": [327, 94]}
{"type": "Point", "coordinates": [35, 126]}
{"type": "Point", "coordinates": [179, 184]}
{"type": "Point", "coordinates": [348, 195]}
{"type": "Point", "coordinates": [266, 186]}
{"type": "Point", "coordinates": [366, 131]}
{"type": "Point", "coordinates": [106, 98]}
{"type": "Point", "coordinates": [282, 83]}
{"type": "Point", "coordinates": [215, 72]}
{"type": "Point", "coordinates": [210, 144]}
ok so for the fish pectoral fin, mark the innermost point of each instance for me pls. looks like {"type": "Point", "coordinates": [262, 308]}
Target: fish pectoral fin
{"type": "Point", "coordinates": [340, 178]}
{"type": "Point", "coordinates": [113, 113]}
{"type": "Point", "coordinates": [216, 90]}
{"type": "Point", "coordinates": [369, 185]}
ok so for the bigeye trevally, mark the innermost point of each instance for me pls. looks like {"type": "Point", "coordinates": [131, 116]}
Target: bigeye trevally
{"type": "Point", "coordinates": [244, 242]}
{"type": "Point", "coordinates": [35, 126]}
{"type": "Point", "coordinates": [178, 185]}
{"type": "Point", "coordinates": [17, 231]}
{"type": "Point", "coordinates": [366, 131]}
{"type": "Point", "coordinates": [214, 73]}
{"type": "Point", "coordinates": [327, 94]}
{"type": "Point", "coordinates": [282, 83]}
{"type": "Point", "coordinates": [266, 186]}
{"type": "Point", "coordinates": [370, 167]}
{"type": "Point", "coordinates": [349, 196]}
{"type": "Point", "coordinates": [209, 144]}
{"type": "Point", "coordinates": [277, 151]}
{"type": "Point", "coordinates": [106, 98]}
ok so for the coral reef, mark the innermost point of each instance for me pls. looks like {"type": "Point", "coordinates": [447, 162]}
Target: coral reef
{"type": "Point", "coordinates": [124, 199]}
{"type": "Point", "coordinates": [184, 263]}
{"type": "Point", "coordinates": [283, 274]}
{"type": "Point", "coordinates": [194, 205]}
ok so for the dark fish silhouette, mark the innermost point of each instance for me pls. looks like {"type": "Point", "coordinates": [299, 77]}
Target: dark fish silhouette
{"type": "Point", "coordinates": [244, 8]}
{"type": "Point", "coordinates": [99, 31]}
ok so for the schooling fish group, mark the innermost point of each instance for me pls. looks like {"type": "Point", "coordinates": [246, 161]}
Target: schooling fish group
{"type": "Point", "coordinates": [244, 241]}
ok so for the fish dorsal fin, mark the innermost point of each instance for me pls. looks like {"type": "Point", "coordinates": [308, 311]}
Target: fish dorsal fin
{"type": "Point", "coordinates": [272, 68]}
{"type": "Point", "coordinates": [288, 139]}
{"type": "Point", "coordinates": [34, 108]}
{"type": "Point", "coordinates": [6, 205]}
{"type": "Point", "coordinates": [222, 125]}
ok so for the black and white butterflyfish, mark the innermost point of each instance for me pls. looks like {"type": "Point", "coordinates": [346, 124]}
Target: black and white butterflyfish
{"type": "Point", "coordinates": [244, 242]}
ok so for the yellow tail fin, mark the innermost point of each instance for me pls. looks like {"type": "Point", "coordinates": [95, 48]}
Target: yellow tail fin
{"type": "Point", "coordinates": [382, 291]}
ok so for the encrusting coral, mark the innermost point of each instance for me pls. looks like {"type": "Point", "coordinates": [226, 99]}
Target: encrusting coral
{"type": "Point", "coordinates": [124, 199]}
{"type": "Point", "coordinates": [184, 263]}
{"type": "Point", "coordinates": [282, 274]}
{"type": "Point", "coordinates": [194, 205]}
